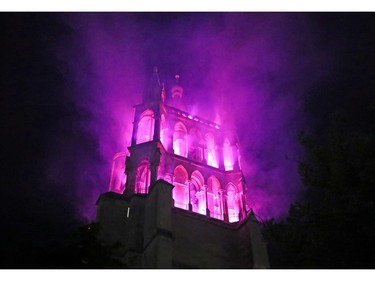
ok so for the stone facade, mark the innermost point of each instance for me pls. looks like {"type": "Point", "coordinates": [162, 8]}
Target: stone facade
{"type": "Point", "coordinates": [151, 233]}
{"type": "Point", "coordinates": [179, 198]}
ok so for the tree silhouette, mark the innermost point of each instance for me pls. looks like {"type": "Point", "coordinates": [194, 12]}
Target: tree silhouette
{"type": "Point", "coordinates": [333, 226]}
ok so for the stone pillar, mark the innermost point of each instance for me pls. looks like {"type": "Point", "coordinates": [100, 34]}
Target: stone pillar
{"type": "Point", "coordinates": [206, 201]}
{"type": "Point", "coordinates": [243, 205]}
{"type": "Point", "coordinates": [158, 236]}
{"type": "Point", "coordinates": [225, 208]}
{"type": "Point", "coordinates": [154, 172]}
{"type": "Point", "coordinates": [156, 136]}
{"type": "Point", "coordinates": [190, 206]}
{"type": "Point", "coordinates": [220, 194]}
{"type": "Point", "coordinates": [258, 246]}
{"type": "Point", "coordinates": [130, 172]}
{"type": "Point", "coordinates": [154, 162]}
{"type": "Point", "coordinates": [135, 128]}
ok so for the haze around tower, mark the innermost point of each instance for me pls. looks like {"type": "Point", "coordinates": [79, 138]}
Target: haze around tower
{"type": "Point", "coordinates": [251, 69]}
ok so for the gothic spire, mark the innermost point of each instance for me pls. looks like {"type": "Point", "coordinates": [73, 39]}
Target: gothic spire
{"type": "Point", "coordinates": [154, 89]}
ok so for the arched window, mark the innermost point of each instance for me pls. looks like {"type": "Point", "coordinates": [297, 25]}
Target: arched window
{"type": "Point", "coordinates": [118, 177]}
{"type": "Point", "coordinates": [232, 203]}
{"type": "Point", "coordinates": [164, 132]}
{"type": "Point", "coordinates": [180, 190]}
{"type": "Point", "coordinates": [145, 131]}
{"type": "Point", "coordinates": [179, 140]}
{"type": "Point", "coordinates": [211, 155]}
{"type": "Point", "coordinates": [228, 155]}
{"type": "Point", "coordinates": [214, 198]}
{"type": "Point", "coordinates": [143, 177]}
{"type": "Point", "coordinates": [197, 196]}
{"type": "Point", "coordinates": [195, 145]}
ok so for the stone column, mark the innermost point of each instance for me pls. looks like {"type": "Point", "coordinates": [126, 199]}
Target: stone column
{"type": "Point", "coordinates": [135, 128]}
{"type": "Point", "coordinates": [258, 246]}
{"type": "Point", "coordinates": [204, 187]}
{"type": "Point", "coordinates": [220, 194]}
{"type": "Point", "coordinates": [190, 206]}
{"type": "Point", "coordinates": [225, 208]}
{"type": "Point", "coordinates": [158, 238]}
{"type": "Point", "coordinates": [156, 135]}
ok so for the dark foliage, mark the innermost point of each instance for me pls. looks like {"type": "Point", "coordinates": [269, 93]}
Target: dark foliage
{"type": "Point", "coordinates": [82, 250]}
{"type": "Point", "coordinates": [333, 226]}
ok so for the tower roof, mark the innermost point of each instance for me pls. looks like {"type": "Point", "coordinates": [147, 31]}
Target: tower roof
{"type": "Point", "coordinates": [177, 94]}
{"type": "Point", "coordinates": [177, 90]}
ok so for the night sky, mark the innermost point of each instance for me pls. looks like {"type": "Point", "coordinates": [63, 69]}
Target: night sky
{"type": "Point", "coordinates": [69, 81]}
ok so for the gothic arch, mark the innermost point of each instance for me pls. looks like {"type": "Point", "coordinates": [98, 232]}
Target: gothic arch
{"type": "Point", "coordinates": [180, 174]}
{"type": "Point", "coordinates": [197, 196]}
{"type": "Point", "coordinates": [180, 139]}
{"type": "Point", "coordinates": [118, 177]}
{"type": "Point", "coordinates": [232, 202]}
{"type": "Point", "coordinates": [145, 129]}
{"type": "Point", "coordinates": [143, 177]}
{"type": "Point", "coordinates": [181, 189]}
{"type": "Point", "coordinates": [197, 179]}
{"type": "Point", "coordinates": [195, 145]}
{"type": "Point", "coordinates": [214, 198]}
{"type": "Point", "coordinates": [213, 185]}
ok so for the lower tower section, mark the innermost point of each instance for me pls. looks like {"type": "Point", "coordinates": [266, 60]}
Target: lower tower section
{"type": "Point", "coordinates": [151, 233]}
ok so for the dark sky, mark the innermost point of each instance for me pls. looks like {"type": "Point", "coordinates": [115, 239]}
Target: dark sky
{"type": "Point", "coordinates": [69, 80]}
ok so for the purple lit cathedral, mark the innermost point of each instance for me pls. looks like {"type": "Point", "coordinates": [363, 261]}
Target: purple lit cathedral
{"type": "Point", "coordinates": [177, 198]}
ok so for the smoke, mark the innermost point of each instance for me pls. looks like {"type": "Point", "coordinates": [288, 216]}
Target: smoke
{"type": "Point", "coordinates": [252, 69]}
{"type": "Point", "coordinates": [103, 69]}
{"type": "Point", "coordinates": [262, 66]}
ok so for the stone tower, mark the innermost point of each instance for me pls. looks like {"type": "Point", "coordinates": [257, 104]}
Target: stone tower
{"type": "Point", "coordinates": [177, 199]}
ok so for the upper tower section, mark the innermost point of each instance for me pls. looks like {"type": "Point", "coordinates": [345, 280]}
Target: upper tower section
{"type": "Point", "coordinates": [198, 157]}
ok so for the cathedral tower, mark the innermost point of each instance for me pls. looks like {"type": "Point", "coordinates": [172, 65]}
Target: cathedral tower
{"type": "Point", "coordinates": [179, 198]}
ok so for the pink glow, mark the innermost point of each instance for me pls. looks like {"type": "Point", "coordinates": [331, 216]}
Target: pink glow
{"type": "Point", "coordinates": [146, 127]}
{"type": "Point", "coordinates": [195, 145]}
{"type": "Point", "coordinates": [233, 203]}
{"type": "Point", "coordinates": [228, 156]}
{"type": "Point", "coordinates": [118, 177]}
{"type": "Point", "coordinates": [196, 199]}
{"type": "Point", "coordinates": [180, 140]}
{"type": "Point", "coordinates": [211, 151]}
{"type": "Point", "coordinates": [143, 178]}
{"type": "Point", "coordinates": [180, 196]}
{"type": "Point", "coordinates": [109, 56]}
{"type": "Point", "coordinates": [180, 190]}
{"type": "Point", "coordinates": [103, 76]}
{"type": "Point", "coordinates": [201, 196]}
{"type": "Point", "coordinates": [164, 132]}
{"type": "Point", "coordinates": [214, 200]}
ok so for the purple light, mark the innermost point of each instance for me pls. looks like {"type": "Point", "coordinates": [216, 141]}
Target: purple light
{"type": "Point", "coordinates": [248, 70]}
